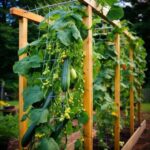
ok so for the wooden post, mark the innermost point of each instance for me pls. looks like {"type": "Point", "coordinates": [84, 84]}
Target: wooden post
{"type": "Point", "coordinates": [23, 23]}
{"type": "Point", "coordinates": [88, 86]}
{"type": "Point", "coordinates": [117, 94]}
{"type": "Point", "coordinates": [131, 94]}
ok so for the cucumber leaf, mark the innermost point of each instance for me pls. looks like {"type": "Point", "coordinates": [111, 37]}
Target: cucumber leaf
{"type": "Point", "coordinates": [48, 144]}
{"type": "Point", "coordinates": [115, 13]}
{"type": "Point", "coordinates": [39, 115]}
{"type": "Point", "coordinates": [83, 117]}
{"type": "Point", "coordinates": [32, 95]}
{"type": "Point", "coordinates": [23, 66]}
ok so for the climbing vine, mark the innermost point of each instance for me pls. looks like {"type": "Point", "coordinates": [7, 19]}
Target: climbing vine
{"type": "Point", "coordinates": [54, 71]}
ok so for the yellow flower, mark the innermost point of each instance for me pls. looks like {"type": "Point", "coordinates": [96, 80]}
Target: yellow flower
{"type": "Point", "coordinates": [114, 114]}
{"type": "Point", "coordinates": [61, 118]}
{"type": "Point", "coordinates": [2, 103]}
{"type": "Point", "coordinates": [67, 110]}
{"type": "Point", "coordinates": [121, 143]}
{"type": "Point", "coordinates": [55, 76]}
{"type": "Point", "coordinates": [67, 116]}
{"type": "Point", "coordinates": [70, 100]}
{"type": "Point", "coordinates": [39, 135]}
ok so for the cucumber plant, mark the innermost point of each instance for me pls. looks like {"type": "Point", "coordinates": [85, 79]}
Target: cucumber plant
{"type": "Point", "coordinates": [54, 72]}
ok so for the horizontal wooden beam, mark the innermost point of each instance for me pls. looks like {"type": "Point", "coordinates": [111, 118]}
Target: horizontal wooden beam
{"type": "Point", "coordinates": [102, 13]}
{"type": "Point", "coordinates": [135, 137]}
{"type": "Point", "coordinates": [26, 14]}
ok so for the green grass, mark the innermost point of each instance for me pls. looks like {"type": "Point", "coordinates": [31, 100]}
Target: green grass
{"type": "Point", "coordinates": [14, 103]}
{"type": "Point", "coordinates": [145, 107]}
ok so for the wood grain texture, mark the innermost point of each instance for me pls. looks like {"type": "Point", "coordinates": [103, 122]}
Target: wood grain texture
{"type": "Point", "coordinates": [23, 25]}
{"type": "Point", "coordinates": [117, 93]}
{"type": "Point", "coordinates": [134, 138]}
{"type": "Point", "coordinates": [131, 97]}
{"type": "Point", "coordinates": [88, 85]}
{"type": "Point", "coordinates": [99, 11]}
{"type": "Point", "coordinates": [26, 14]}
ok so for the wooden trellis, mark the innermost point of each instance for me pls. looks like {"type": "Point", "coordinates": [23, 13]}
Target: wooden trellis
{"type": "Point", "coordinates": [91, 5]}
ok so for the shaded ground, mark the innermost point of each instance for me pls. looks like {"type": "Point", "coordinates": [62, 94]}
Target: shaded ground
{"type": "Point", "coordinates": [144, 141]}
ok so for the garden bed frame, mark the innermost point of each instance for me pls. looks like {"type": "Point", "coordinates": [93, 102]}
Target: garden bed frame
{"type": "Point", "coordinates": [91, 5]}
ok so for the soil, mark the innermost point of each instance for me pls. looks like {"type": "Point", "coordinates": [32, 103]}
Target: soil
{"type": "Point", "coordinates": [144, 141]}
{"type": "Point", "coordinates": [142, 144]}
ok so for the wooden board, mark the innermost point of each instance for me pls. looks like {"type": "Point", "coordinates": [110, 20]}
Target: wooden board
{"type": "Point", "coordinates": [88, 85]}
{"type": "Point", "coordinates": [23, 25]}
{"type": "Point", "coordinates": [117, 94]}
{"type": "Point", "coordinates": [134, 138]}
{"type": "Point", "coordinates": [26, 14]}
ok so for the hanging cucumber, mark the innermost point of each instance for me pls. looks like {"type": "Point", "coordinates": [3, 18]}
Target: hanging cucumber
{"type": "Point", "coordinates": [73, 74]}
{"type": "Point", "coordinates": [49, 100]}
{"type": "Point", "coordinates": [31, 130]}
{"type": "Point", "coordinates": [28, 135]}
{"type": "Point", "coordinates": [59, 128]}
{"type": "Point", "coordinates": [66, 75]}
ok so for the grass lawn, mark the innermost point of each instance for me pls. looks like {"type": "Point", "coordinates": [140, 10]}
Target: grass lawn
{"type": "Point", "coordinates": [14, 103]}
{"type": "Point", "coordinates": [145, 107]}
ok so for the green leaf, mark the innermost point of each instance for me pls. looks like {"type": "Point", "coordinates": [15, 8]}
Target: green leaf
{"type": "Point", "coordinates": [23, 66]}
{"type": "Point", "coordinates": [111, 2]}
{"type": "Point", "coordinates": [39, 115]}
{"type": "Point", "coordinates": [24, 117]}
{"type": "Point", "coordinates": [48, 144]}
{"type": "Point", "coordinates": [69, 128]}
{"type": "Point", "coordinates": [68, 34]}
{"type": "Point", "coordinates": [64, 36]}
{"type": "Point", "coordinates": [23, 50]}
{"type": "Point", "coordinates": [53, 15]}
{"type": "Point", "coordinates": [32, 95]}
{"type": "Point", "coordinates": [115, 13]}
{"type": "Point", "coordinates": [99, 87]}
{"type": "Point", "coordinates": [106, 2]}
{"type": "Point", "coordinates": [83, 117]}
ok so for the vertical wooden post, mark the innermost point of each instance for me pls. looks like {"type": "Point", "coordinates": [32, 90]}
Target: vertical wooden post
{"type": "Point", "coordinates": [117, 94]}
{"type": "Point", "coordinates": [131, 94]}
{"type": "Point", "coordinates": [23, 23]}
{"type": "Point", "coordinates": [88, 86]}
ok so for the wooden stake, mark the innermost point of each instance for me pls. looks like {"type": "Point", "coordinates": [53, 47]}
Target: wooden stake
{"type": "Point", "coordinates": [23, 23]}
{"type": "Point", "coordinates": [117, 94]}
{"type": "Point", "coordinates": [88, 86]}
{"type": "Point", "coordinates": [131, 94]}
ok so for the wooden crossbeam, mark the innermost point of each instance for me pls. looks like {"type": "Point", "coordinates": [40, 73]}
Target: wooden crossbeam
{"type": "Point", "coordinates": [100, 11]}
{"type": "Point", "coordinates": [97, 8]}
{"type": "Point", "coordinates": [26, 14]}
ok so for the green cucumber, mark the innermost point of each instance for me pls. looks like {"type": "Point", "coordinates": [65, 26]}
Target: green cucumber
{"type": "Point", "coordinates": [49, 99]}
{"type": "Point", "coordinates": [73, 74]}
{"type": "Point", "coordinates": [66, 75]}
{"type": "Point", "coordinates": [58, 129]}
{"type": "Point", "coordinates": [28, 135]}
